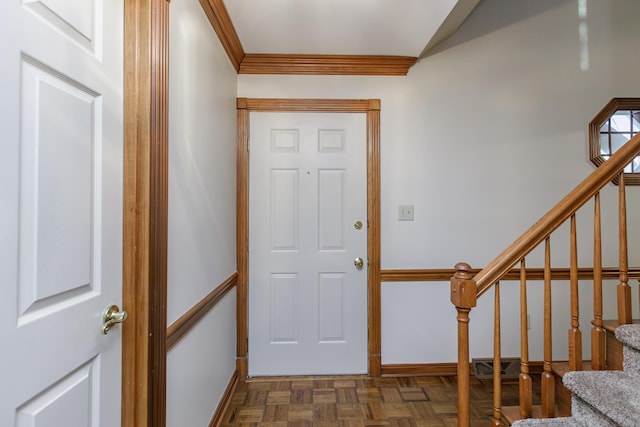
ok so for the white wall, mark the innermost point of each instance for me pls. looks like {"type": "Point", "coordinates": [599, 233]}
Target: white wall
{"type": "Point", "coordinates": [199, 367]}
{"type": "Point", "coordinates": [202, 254]}
{"type": "Point", "coordinates": [483, 138]}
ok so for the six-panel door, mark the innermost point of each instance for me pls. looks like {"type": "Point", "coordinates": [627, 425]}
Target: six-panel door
{"type": "Point", "coordinates": [308, 190]}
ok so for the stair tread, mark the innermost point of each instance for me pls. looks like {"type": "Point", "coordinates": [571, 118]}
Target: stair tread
{"type": "Point", "coordinates": [512, 413]}
{"type": "Point", "coordinates": [561, 368]}
{"type": "Point", "coordinates": [629, 335]}
{"type": "Point", "coordinates": [611, 324]}
{"type": "Point", "coordinates": [548, 422]}
{"type": "Point", "coordinates": [613, 393]}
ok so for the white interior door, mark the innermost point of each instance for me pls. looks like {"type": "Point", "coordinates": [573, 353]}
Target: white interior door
{"type": "Point", "coordinates": [60, 211]}
{"type": "Point", "coordinates": [308, 189]}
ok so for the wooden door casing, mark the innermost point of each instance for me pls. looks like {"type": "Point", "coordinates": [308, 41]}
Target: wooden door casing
{"type": "Point", "coordinates": [146, 65]}
{"type": "Point", "coordinates": [372, 109]}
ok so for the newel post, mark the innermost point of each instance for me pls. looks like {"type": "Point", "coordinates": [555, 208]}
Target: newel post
{"type": "Point", "coordinates": [463, 296]}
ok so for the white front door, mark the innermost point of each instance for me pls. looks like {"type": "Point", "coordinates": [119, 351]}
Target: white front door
{"type": "Point", "coordinates": [61, 163]}
{"type": "Point", "coordinates": [307, 225]}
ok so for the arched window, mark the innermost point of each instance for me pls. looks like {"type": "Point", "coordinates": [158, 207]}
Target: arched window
{"type": "Point", "coordinates": [610, 129]}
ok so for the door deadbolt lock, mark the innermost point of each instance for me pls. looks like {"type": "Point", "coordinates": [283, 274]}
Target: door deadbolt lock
{"type": "Point", "coordinates": [111, 316]}
{"type": "Point", "coordinates": [357, 225]}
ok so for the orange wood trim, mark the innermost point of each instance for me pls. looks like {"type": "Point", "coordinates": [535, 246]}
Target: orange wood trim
{"type": "Point", "coordinates": [159, 209]}
{"type": "Point", "coordinates": [623, 289]}
{"type": "Point", "coordinates": [373, 237]}
{"type": "Point", "coordinates": [598, 335]}
{"type": "Point", "coordinates": [496, 420]}
{"type": "Point", "coordinates": [594, 133]}
{"type": "Point", "coordinates": [526, 384]}
{"type": "Point", "coordinates": [463, 297]}
{"type": "Point", "coordinates": [445, 274]}
{"type": "Point", "coordinates": [524, 323]}
{"type": "Point", "coordinates": [610, 325]}
{"type": "Point", "coordinates": [188, 320]}
{"type": "Point", "coordinates": [219, 18]}
{"type": "Point", "coordinates": [419, 369]}
{"type": "Point", "coordinates": [464, 396]}
{"type": "Point", "coordinates": [256, 63]}
{"type": "Point", "coordinates": [308, 105]}
{"type": "Point", "coordinates": [547, 380]}
{"type": "Point", "coordinates": [370, 65]}
{"type": "Point", "coordinates": [372, 108]}
{"type": "Point", "coordinates": [216, 420]}
{"type": "Point", "coordinates": [242, 241]}
{"type": "Point", "coordinates": [582, 193]}
{"type": "Point", "coordinates": [145, 212]}
{"type": "Point", "coordinates": [436, 369]}
{"type": "Point", "coordinates": [536, 367]}
{"type": "Point", "coordinates": [575, 335]}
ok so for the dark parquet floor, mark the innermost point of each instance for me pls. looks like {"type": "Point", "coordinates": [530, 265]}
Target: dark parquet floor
{"type": "Point", "coordinates": [359, 401]}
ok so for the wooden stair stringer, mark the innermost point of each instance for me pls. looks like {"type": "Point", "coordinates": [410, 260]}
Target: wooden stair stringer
{"type": "Point", "coordinates": [613, 354]}
{"type": "Point", "coordinates": [563, 395]}
{"type": "Point", "coordinates": [613, 362]}
{"type": "Point", "coordinates": [511, 414]}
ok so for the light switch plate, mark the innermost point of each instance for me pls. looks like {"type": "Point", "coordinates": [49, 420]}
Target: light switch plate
{"type": "Point", "coordinates": [405, 212]}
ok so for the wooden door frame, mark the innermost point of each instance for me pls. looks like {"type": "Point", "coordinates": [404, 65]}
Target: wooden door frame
{"type": "Point", "coordinates": [146, 44]}
{"type": "Point", "coordinates": [372, 109]}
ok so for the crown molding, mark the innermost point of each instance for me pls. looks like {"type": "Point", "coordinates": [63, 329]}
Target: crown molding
{"type": "Point", "coordinates": [257, 63]}
{"type": "Point", "coordinates": [364, 65]}
{"type": "Point", "coordinates": [220, 20]}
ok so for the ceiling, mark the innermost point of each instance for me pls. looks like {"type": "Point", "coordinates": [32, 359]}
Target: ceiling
{"type": "Point", "coordinates": [346, 27]}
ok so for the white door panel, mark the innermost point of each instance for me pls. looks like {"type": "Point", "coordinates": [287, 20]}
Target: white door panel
{"type": "Point", "coordinates": [307, 300]}
{"type": "Point", "coordinates": [60, 211]}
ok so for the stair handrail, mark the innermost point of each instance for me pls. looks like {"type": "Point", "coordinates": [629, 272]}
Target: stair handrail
{"type": "Point", "coordinates": [555, 217]}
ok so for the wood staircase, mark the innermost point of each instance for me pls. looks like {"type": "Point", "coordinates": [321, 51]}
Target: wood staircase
{"type": "Point", "coordinates": [604, 398]}
{"type": "Point", "coordinates": [613, 361]}
{"type": "Point", "coordinates": [606, 351]}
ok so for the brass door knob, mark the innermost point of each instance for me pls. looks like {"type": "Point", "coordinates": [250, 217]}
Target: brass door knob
{"type": "Point", "coordinates": [111, 316]}
{"type": "Point", "coordinates": [359, 263]}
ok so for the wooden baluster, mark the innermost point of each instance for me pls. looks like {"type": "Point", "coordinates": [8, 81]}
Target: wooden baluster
{"type": "Point", "coordinates": [598, 361]}
{"type": "Point", "coordinates": [624, 290]}
{"type": "Point", "coordinates": [575, 336]}
{"type": "Point", "coordinates": [526, 393]}
{"type": "Point", "coordinates": [547, 383]}
{"type": "Point", "coordinates": [463, 297]}
{"type": "Point", "coordinates": [497, 366]}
